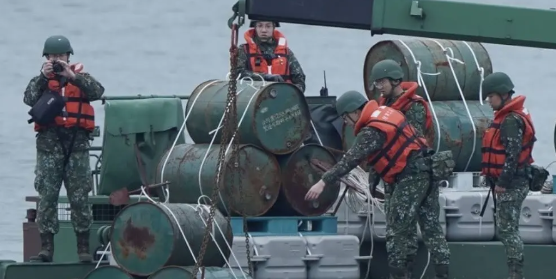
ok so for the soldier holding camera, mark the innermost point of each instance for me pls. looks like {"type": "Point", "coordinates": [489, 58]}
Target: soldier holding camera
{"type": "Point", "coordinates": [60, 98]}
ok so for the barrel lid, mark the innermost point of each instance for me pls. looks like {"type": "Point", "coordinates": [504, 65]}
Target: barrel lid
{"type": "Point", "coordinates": [108, 271]}
{"type": "Point", "coordinates": [142, 238]}
{"type": "Point", "coordinates": [282, 118]}
{"type": "Point", "coordinates": [299, 175]}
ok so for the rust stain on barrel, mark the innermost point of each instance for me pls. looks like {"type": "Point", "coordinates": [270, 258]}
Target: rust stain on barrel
{"type": "Point", "coordinates": [136, 240]}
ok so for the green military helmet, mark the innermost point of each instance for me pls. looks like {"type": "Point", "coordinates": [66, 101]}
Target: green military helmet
{"type": "Point", "coordinates": [254, 22]}
{"type": "Point", "coordinates": [497, 83]}
{"type": "Point", "coordinates": [386, 69]}
{"type": "Point", "coordinates": [350, 102]}
{"type": "Point", "coordinates": [57, 45]}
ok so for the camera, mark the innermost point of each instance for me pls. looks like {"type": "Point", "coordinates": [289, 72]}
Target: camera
{"type": "Point", "coordinates": [57, 67]}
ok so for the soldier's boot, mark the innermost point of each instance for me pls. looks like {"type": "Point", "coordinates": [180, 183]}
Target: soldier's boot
{"type": "Point", "coordinates": [441, 271]}
{"type": "Point", "coordinates": [47, 249]}
{"type": "Point", "coordinates": [398, 273]}
{"type": "Point", "coordinates": [515, 270]}
{"type": "Point", "coordinates": [83, 247]}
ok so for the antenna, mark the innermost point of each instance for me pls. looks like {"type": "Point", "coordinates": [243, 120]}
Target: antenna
{"type": "Point", "coordinates": [324, 89]}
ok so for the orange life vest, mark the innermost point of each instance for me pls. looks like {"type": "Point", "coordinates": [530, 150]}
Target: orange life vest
{"type": "Point", "coordinates": [73, 96]}
{"type": "Point", "coordinates": [401, 139]}
{"type": "Point", "coordinates": [278, 64]}
{"type": "Point", "coordinates": [494, 152]}
{"type": "Point", "coordinates": [404, 102]}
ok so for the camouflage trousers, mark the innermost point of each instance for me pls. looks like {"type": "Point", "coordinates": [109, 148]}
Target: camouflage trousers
{"type": "Point", "coordinates": [77, 179]}
{"type": "Point", "coordinates": [412, 236]}
{"type": "Point", "coordinates": [408, 204]}
{"type": "Point", "coordinates": [508, 212]}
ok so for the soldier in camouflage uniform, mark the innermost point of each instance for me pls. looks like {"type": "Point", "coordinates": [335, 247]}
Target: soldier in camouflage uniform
{"type": "Point", "coordinates": [387, 76]}
{"type": "Point", "coordinates": [412, 197]}
{"type": "Point", "coordinates": [267, 55]}
{"type": "Point", "coordinates": [507, 148]}
{"type": "Point", "coordinates": [54, 165]}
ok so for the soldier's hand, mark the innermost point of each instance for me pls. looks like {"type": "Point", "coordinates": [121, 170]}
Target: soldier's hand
{"type": "Point", "coordinates": [68, 72]}
{"type": "Point", "coordinates": [315, 191]}
{"type": "Point", "coordinates": [46, 68]}
{"type": "Point", "coordinates": [499, 190]}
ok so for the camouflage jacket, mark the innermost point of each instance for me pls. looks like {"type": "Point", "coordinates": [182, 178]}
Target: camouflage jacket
{"type": "Point", "coordinates": [50, 138]}
{"type": "Point", "coordinates": [368, 141]}
{"type": "Point", "coordinates": [296, 72]}
{"type": "Point", "coordinates": [416, 115]}
{"type": "Point", "coordinates": [511, 136]}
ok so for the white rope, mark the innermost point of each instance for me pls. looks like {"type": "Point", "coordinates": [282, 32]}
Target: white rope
{"type": "Point", "coordinates": [186, 117]}
{"type": "Point", "coordinates": [421, 83]}
{"type": "Point", "coordinates": [144, 194]}
{"type": "Point", "coordinates": [182, 128]}
{"type": "Point", "coordinates": [361, 194]}
{"type": "Point", "coordinates": [215, 132]}
{"type": "Point", "coordinates": [202, 208]}
{"type": "Point", "coordinates": [449, 53]}
{"type": "Point", "coordinates": [360, 199]}
{"type": "Point", "coordinates": [481, 71]}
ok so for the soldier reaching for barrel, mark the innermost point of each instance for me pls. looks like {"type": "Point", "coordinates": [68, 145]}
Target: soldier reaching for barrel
{"type": "Point", "coordinates": [387, 76]}
{"type": "Point", "coordinates": [401, 157]}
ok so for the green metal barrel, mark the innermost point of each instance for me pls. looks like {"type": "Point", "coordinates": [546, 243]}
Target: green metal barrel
{"type": "Point", "coordinates": [298, 175]}
{"type": "Point", "coordinates": [146, 237]}
{"type": "Point", "coordinates": [275, 115]}
{"type": "Point", "coordinates": [456, 131]}
{"type": "Point", "coordinates": [108, 271]}
{"type": "Point", "coordinates": [178, 272]}
{"type": "Point", "coordinates": [441, 87]}
{"type": "Point", "coordinates": [259, 173]}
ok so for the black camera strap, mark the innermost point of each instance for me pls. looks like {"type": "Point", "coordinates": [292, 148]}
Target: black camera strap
{"type": "Point", "coordinates": [67, 152]}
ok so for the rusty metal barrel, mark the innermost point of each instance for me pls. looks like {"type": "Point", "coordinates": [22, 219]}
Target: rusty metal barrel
{"type": "Point", "coordinates": [191, 175]}
{"type": "Point", "coordinates": [275, 116]}
{"type": "Point", "coordinates": [456, 132]}
{"type": "Point", "coordinates": [175, 272]}
{"type": "Point", "coordinates": [442, 86]}
{"type": "Point", "coordinates": [298, 175]}
{"type": "Point", "coordinates": [146, 237]}
{"type": "Point", "coordinates": [108, 271]}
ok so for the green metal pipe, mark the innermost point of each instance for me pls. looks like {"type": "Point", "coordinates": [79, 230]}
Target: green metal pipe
{"type": "Point", "coordinates": [442, 19]}
{"type": "Point", "coordinates": [174, 272]}
{"type": "Point", "coordinates": [146, 237]}
{"type": "Point", "coordinates": [112, 98]}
